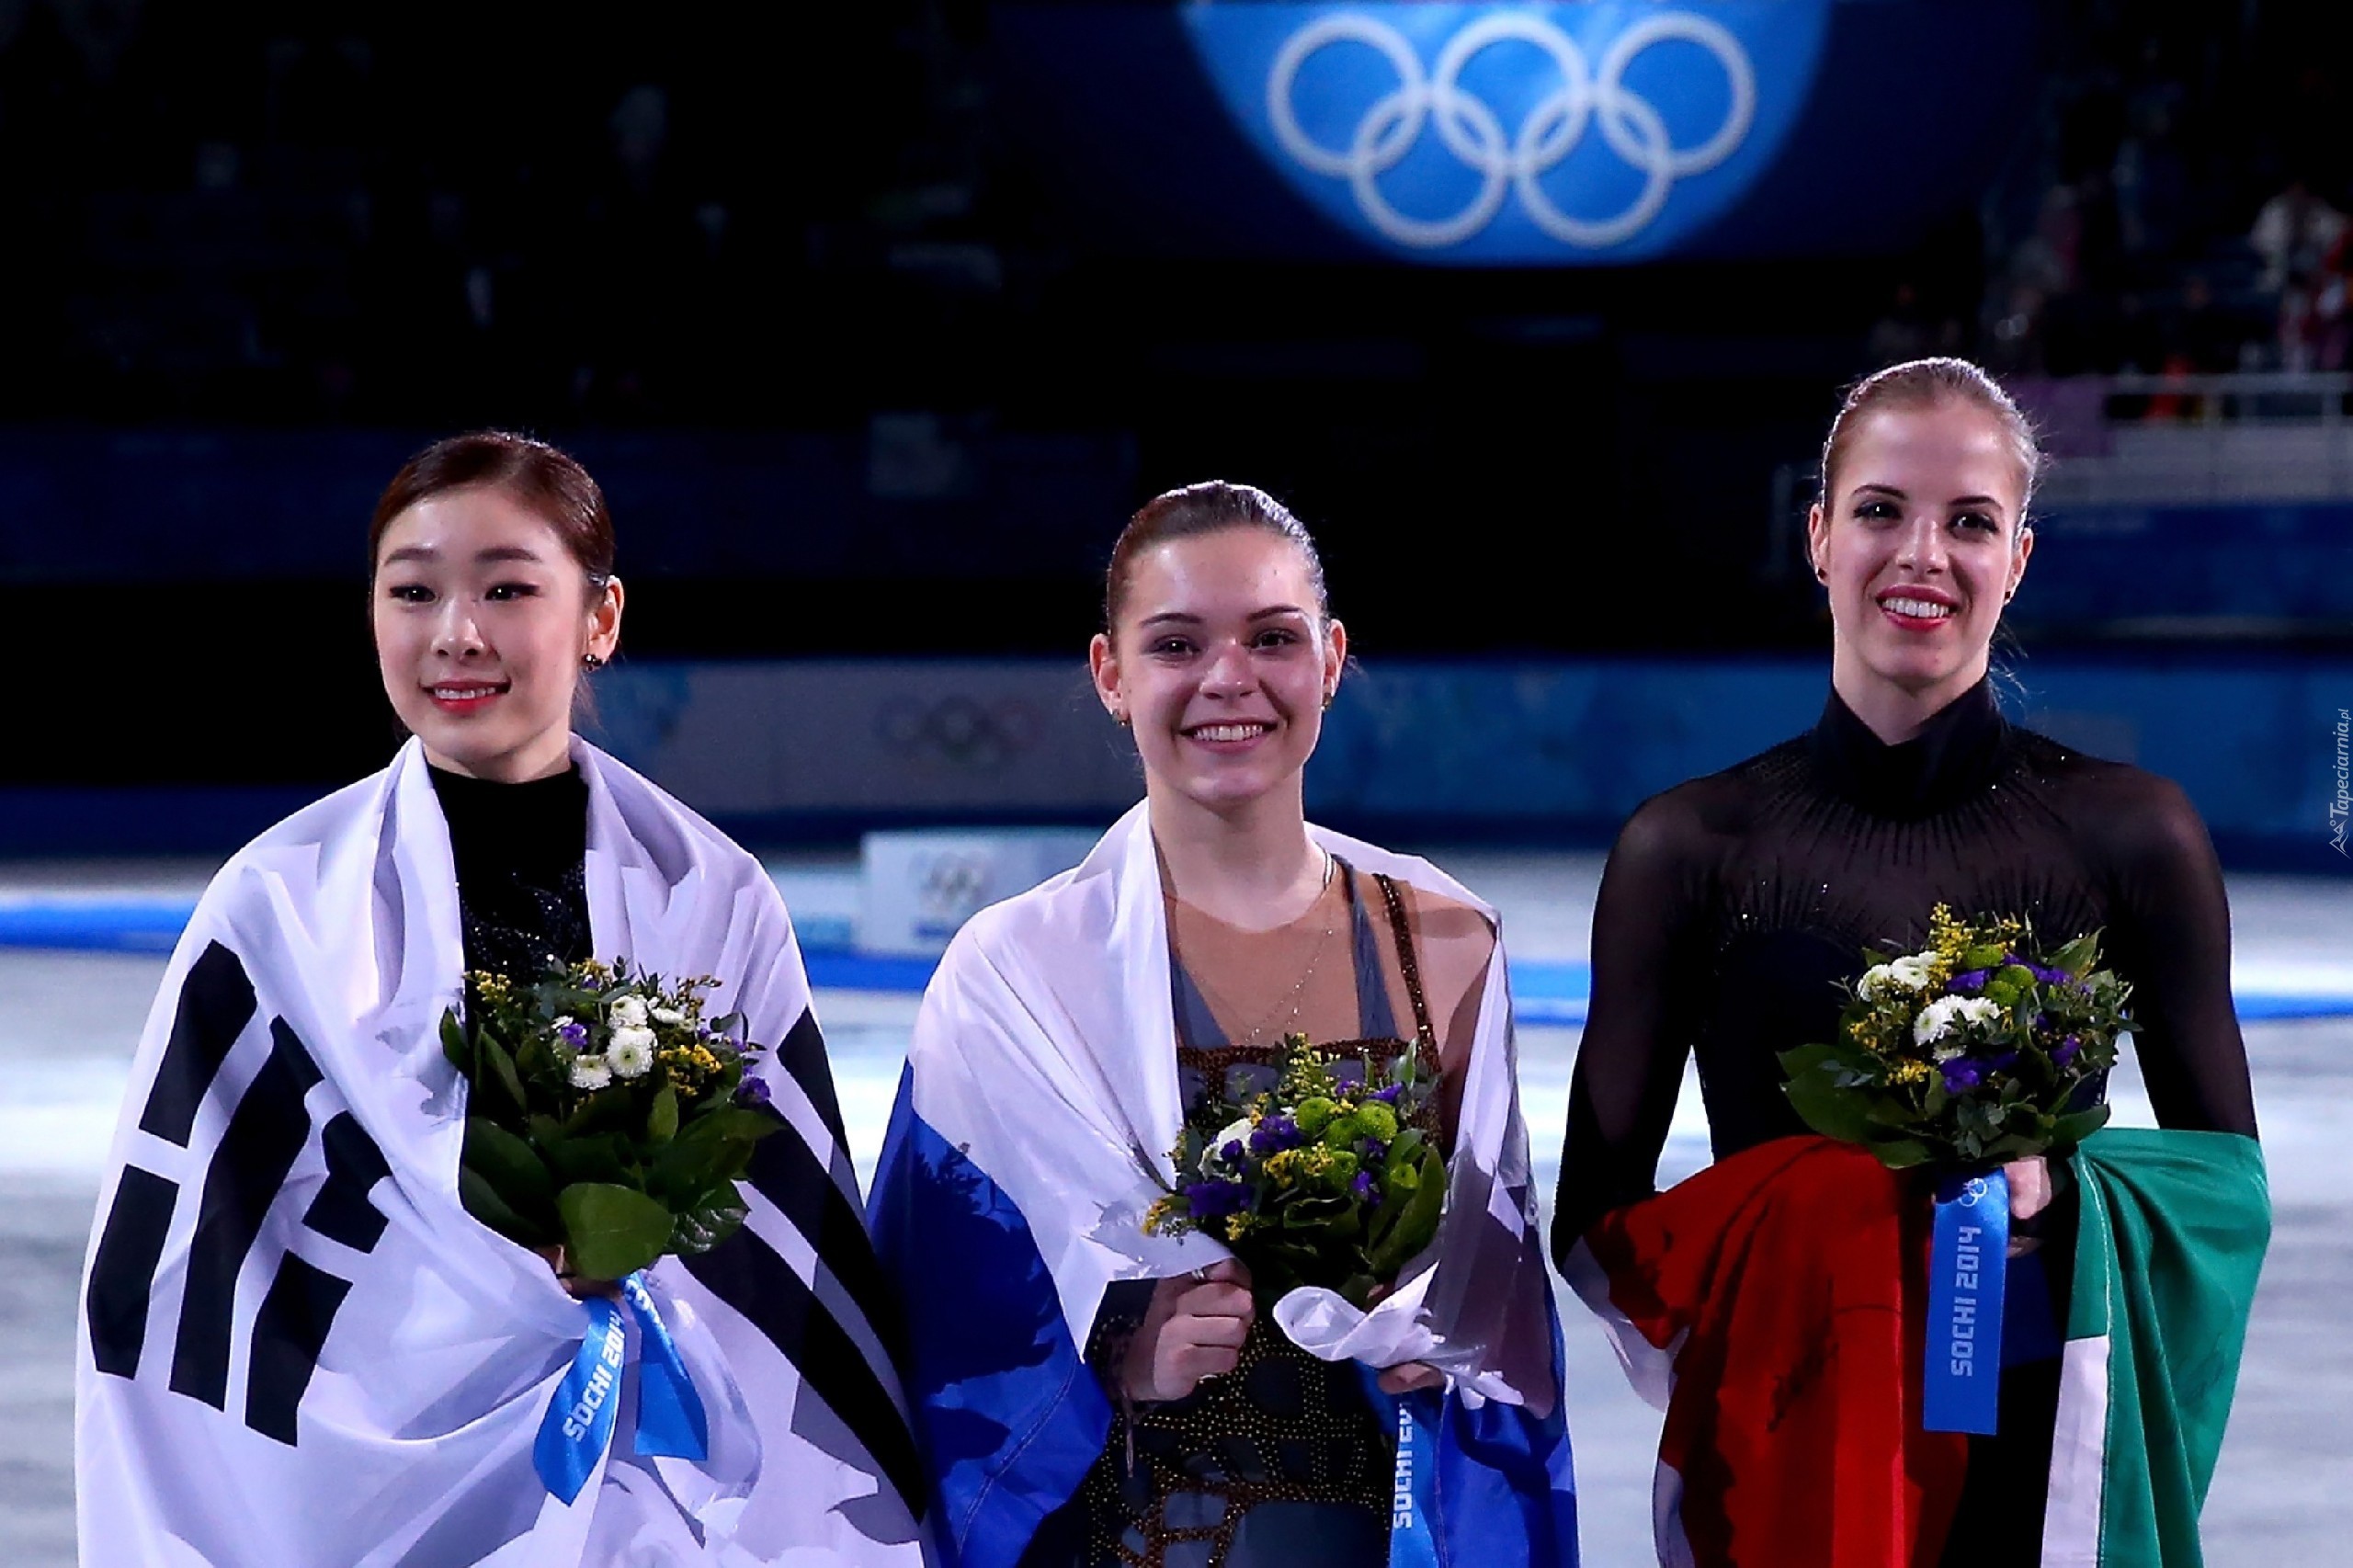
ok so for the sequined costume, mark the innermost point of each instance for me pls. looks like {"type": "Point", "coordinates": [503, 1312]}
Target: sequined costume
{"type": "Point", "coordinates": [1281, 1461]}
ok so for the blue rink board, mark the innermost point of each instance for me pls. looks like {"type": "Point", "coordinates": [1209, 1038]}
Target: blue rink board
{"type": "Point", "coordinates": [1544, 991]}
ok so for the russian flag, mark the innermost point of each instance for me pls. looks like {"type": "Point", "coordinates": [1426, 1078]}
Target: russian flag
{"type": "Point", "coordinates": [1028, 1140]}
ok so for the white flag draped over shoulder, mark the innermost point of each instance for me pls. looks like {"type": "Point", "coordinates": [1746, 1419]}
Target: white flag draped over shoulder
{"type": "Point", "coordinates": [1032, 1133]}
{"type": "Point", "coordinates": [298, 1350]}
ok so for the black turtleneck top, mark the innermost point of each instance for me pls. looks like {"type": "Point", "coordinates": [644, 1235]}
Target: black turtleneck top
{"type": "Point", "coordinates": [522, 899]}
{"type": "Point", "coordinates": [1733, 905]}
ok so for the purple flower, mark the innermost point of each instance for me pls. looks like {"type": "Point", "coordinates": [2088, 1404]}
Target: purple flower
{"type": "Point", "coordinates": [1973, 980]}
{"type": "Point", "coordinates": [1274, 1135]}
{"type": "Point", "coordinates": [1362, 1186]}
{"type": "Point", "coordinates": [1215, 1200]}
{"type": "Point", "coordinates": [572, 1034]}
{"type": "Point", "coordinates": [2065, 1051]}
{"type": "Point", "coordinates": [1961, 1073]}
{"type": "Point", "coordinates": [1388, 1095]}
{"type": "Point", "coordinates": [2002, 1062]}
{"type": "Point", "coordinates": [1372, 1149]}
{"type": "Point", "coordinates": [753, 1092]}
{"type": "Point", "coordinates": [2051, 976]}
{"type": "Point", "coordinates": [1232, 1152]}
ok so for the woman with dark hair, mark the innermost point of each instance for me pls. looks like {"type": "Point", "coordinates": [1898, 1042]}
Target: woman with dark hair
{"type": "Point", "coordinates": [1733, 906]}
{"type": "Point", "coordinates": [1108, 1395]}
{"type": "Point", "coordinates": [298, 1346]}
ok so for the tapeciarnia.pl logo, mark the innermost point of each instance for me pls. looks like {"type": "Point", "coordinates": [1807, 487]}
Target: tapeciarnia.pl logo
{"type": "Point", "coordinates": [2340, 809]}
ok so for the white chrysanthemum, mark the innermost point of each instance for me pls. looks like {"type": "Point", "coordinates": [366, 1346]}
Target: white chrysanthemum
{"type": "Point", "coordinates": [669, 1017]}
{"type": "Point", "coordinates": [629, 1011]}
{"type": "Point", "coordinates": [1939, 1019]}
{"type": "Point", "coordinates": [630, 1058]}
{"type": "Point", "coordinates": [1909, 972]}
{"type": "Point", "coordinates": [639, 1038]}
{"type": "Point", "coordinates": [591, 1073]}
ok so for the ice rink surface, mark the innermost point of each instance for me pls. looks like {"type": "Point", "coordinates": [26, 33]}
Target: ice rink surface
{"type": "Point", "coordinates": [2284, 1493]}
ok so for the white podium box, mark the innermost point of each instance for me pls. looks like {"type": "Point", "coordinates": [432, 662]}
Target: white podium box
{"type": "Point", "coordinates": [921, 885]}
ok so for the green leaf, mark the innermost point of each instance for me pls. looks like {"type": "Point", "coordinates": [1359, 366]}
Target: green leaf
{"type": "Point", "coordinates": [454, 1044]}
{"type": "Point", "coordinates": [1806, 1058]}
{"type": "Point", "coordinates": [1832, 1111]}
{"type": "Point", "coordinates": [484, 1203]}
{"type": "Point", "coordinates": [2066, 1132]}
{"type": "Point", "coordinates": [502, 1069]}
{"type": "Point", "coordinates": [510, 1165]}
{"type": "Point", "coordinates": [1416, 1223]}
{"type": "Point", "coordinates": [1902, 1154]}
{"type": "Point", "coordinates": [703, 1227]}
{"type": "Point", "coordinates": [661, 1121]}
{"type": "Point", "coordinates": [597, 1157]}
{"type": "Point", "coordinates": [535, 1059]}
{"type": "Point", "coordinates": [610, 1231]}
{"type": "Point", "coordinates": [2078, 957]}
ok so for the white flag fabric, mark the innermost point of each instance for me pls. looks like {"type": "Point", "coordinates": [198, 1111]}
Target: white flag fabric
{"type": "Point", "coordinates": [1032, 1134]}
{"type": "Point", "coordinates": [298, 1350]}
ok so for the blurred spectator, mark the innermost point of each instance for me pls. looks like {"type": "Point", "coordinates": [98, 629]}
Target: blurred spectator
{"type": "Point", "coordinates": [2200, 338]}
{"type": "Point", "coordinates": [2294, 233]}
{"type": "Point", "coordinates": [2329, 329]}
{"type": "Point", "coordinates": [1909, 330]}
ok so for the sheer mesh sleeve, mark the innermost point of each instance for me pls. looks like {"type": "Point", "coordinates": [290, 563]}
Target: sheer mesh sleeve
{"type": "Point", "coordinates": [1639, 1024]}
{"type": "Point", "coordinates": [2171, 938]}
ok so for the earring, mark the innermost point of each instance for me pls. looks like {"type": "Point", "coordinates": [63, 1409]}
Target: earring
{"type": "Point", "coordinates": [591, 662]}
{"type": "Point", "coordinates": [1330, 697]}
{"type": "Point", "coordinates": [1120, 717]}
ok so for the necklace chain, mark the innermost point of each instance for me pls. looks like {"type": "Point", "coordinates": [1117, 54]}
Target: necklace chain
{"type": "Point", "coordinates": [1296, 997]}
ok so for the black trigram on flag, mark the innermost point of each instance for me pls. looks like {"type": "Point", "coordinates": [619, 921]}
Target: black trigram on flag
{"type": "Point", "coordinates": [266, 1132]}
{"type": "Point", "coordinates": [840, 1328]}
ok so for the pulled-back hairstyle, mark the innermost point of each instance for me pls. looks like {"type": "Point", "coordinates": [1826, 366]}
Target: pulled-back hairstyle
{"type": "Point", "coordinates": [1922, 384]}
{"type": "Point", "coordinates": [1193, 510]}
{"type": "Point", "coordinates": [547, 482]}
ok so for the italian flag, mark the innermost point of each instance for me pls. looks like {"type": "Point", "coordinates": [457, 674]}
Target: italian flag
{"type": "Point", "coordinates": [1774, 1306]}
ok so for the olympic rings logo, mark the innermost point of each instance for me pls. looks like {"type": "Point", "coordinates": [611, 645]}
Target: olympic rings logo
{"type": "Point", "coordinates": [951, 889]}
{"type": "Point", "coordinates": [960, 730]}
{"type": "Point", "coordinates": [1474, 134]}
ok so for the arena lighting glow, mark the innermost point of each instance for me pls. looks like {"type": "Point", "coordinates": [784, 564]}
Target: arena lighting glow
{"type": "Point", "coordinates": [1515, 135]}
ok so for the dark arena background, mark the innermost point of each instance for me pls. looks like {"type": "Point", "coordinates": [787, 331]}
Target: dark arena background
{"type": "Point", "coordinates": [876, 320]}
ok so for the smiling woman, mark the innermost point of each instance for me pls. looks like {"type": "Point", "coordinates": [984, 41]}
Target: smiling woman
{"type": "Point", "coordinates": [1183, 1421]}
{"type": "Point", "coordinates": [491, 561]}
{"type": "Point", "coordinates": [1733, 910]}
{"type": "Point", "coordinates": [401, 1373]}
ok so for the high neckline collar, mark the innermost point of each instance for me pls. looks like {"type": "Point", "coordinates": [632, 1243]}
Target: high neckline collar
{"type": "Point", "coordinates": [494, 793]}
{"type": "Point", "coordinates": [1954, 754]}
{"type": "Point", "coordinates": [542, 823]}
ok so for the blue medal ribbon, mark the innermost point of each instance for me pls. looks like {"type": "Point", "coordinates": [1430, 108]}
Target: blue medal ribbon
{"type": "Point", "coordinates": [670, 1421]}
{"type": "Point", "coordinates": [1411, 1543]}
{"type": "Point", "coordinates": [578, 1425]}
{"type": "Point", "coordinates": [1968, 1265]}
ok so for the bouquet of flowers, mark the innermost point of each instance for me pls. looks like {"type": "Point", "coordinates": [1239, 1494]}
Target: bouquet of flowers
{"type": "Point", "coordinates": [1967, 1053]}
{"type": "Point", "coordinates": [1316, 1181]}
{"type": "Point", "coordinates": [607, 1114]}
